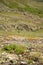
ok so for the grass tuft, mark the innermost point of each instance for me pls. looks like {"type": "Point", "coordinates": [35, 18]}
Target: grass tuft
{"type": "Point", "coordinates": [18, 49]}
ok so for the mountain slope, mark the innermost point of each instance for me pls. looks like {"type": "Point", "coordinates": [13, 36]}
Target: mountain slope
{"type": "Point", "coordinates": [21, 32]}
{"type": "Point", "coordinates": [27, 5]}
{"type": "Point", "coordinates": [18, 17]}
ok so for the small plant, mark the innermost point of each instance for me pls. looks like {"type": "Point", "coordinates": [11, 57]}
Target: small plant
{"type": "Point", "coordinates": [30, 61]}
{"type": "Point", "coordinates": [18, 49]}
{"type": "Point", "coordinates": [9, 48]}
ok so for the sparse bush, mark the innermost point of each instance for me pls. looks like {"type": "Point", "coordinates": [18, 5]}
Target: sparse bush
{"type": "Point", "coordinates": [18, 49]}
{"type": "Point", "coordinates": [9, 48]}
{"type": "Point", "coordinates": [30, 61]}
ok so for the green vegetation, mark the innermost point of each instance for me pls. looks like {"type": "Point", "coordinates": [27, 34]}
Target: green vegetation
{"type": "Point", "coordinates": [30, 61]}
{"type": "Point", "coordinates": [18, 49]}
{"type": "Point", "coordinates": [21, 22]}
{"type": "Point", "coordinates": [9, 47]}
{"type": "Point", "coordinates": [30, 53]}
{"type": "Point", "coordinates": [33, 10]}
{"type": "Point", "coordinates": [15, 4]}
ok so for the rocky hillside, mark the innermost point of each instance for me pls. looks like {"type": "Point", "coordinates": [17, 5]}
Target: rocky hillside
{"type": "Point", "coordinates": [32, 6]}
{"type": "Point", "coordinates": [21, 32]}
{"type": "Point", "coordinates": [18, 17]}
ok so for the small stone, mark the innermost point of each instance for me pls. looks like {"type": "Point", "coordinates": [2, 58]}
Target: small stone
{"type": "Point", "coordinates": [23, 63]}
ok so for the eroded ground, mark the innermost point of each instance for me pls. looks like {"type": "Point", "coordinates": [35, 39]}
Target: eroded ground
{"type": "Point", "coordinates": [16, 50]}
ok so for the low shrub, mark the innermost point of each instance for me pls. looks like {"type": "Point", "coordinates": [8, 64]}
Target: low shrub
{"type": "Point", "coordinates": [9, 48]}
{"type": "Point", "coordinates": [30, 61]}
{"type": "Point", "coordinates": [18, 49]}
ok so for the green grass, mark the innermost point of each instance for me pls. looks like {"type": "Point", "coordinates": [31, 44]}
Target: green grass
{"type": "Point", "coordinates": [13, 48]}
{"type": "Point", "coordinates": [33, 10]}
{"type": "Point", "coordinates": [19, 50]}
{"type": "Point", "coordinates": [15, 5]}
{"type": "Point", "coordinates": [9, 47]}
{"type": "Point", "coordinates": [30, 61]}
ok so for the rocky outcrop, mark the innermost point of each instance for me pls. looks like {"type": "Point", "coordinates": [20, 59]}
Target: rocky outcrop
{"type": "Point", "coordinates": [19, 27]}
